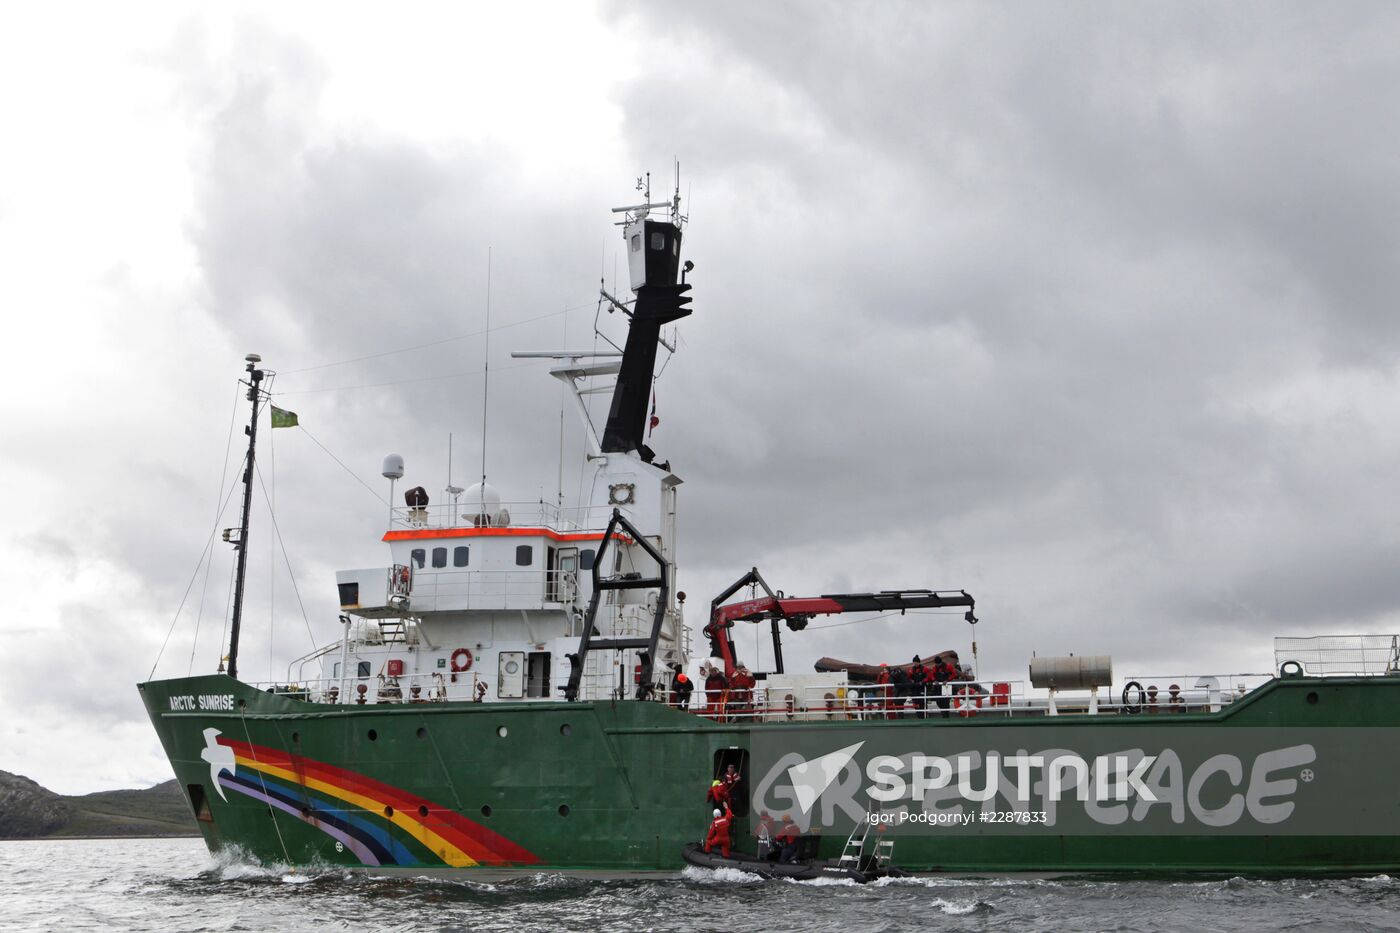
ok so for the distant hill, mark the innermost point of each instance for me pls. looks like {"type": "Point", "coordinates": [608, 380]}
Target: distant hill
{"type": "Point", "coordinates": [29, 811]}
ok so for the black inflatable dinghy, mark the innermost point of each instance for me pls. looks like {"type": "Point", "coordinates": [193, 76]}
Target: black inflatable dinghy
{"type": "Point", "coordinates": [696, 855]}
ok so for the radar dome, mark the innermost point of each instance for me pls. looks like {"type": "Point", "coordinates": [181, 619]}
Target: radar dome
{"type": "Point", "coordinates": [393, 467]}
{"type": "Point", "coordinates": [481, 505]}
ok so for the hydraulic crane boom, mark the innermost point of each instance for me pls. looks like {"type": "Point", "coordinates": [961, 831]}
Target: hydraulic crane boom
{"type": "Point", "coordinates": [795, 611]}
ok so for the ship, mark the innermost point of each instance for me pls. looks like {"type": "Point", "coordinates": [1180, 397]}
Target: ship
{"type": "Point", "coordinates": [516, 689]}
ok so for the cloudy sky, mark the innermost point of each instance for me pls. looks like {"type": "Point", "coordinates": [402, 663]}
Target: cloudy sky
{"type": "Point", "coordinates": [1086, 308]}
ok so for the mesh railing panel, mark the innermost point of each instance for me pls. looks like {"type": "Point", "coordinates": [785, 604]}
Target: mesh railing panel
{"type": "Point", "coordinates": [1340, 654]}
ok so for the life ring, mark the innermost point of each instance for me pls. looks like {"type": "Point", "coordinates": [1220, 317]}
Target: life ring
{"type": "Point", "coordinates": [966, 702]}
{"type": "Point", "coordinates": [1133, 708]}
{"type": "Point", "coordinates": [461, 660]}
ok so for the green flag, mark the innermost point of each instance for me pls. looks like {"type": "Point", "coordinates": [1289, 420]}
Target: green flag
{"type": "Point", "coordinates": [283, 419]}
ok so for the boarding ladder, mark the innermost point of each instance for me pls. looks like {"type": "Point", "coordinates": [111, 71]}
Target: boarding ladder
{"type": "Point", "coordinates": [854, 851]}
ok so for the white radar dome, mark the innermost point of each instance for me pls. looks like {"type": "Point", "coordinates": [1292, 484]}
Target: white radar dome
{"type": "Point", "coordinates": [481, 505]}
{"type": "Point", "coordinates": [393, 467]}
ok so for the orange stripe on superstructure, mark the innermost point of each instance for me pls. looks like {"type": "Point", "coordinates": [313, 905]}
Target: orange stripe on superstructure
{"type": "Point", "coordinates": [419, 534]}
{"type": "Point", "coordinates": [478, 842]}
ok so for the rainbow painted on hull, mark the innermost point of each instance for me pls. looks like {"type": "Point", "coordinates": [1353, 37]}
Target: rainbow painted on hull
{"type": "Point", "coordinates": [356, 811]}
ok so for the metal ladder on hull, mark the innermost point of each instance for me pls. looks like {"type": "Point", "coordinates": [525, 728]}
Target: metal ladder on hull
{"type": "Point", "coordinates": [853, 853]}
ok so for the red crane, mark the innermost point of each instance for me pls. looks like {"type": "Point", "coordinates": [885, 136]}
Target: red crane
{"type": "Point", "coordinates": [797, 610]}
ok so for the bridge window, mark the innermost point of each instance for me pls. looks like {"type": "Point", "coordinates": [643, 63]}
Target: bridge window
{"type": "Point", "coordinates": [585, 559]}
{"type": "Point", "coordinates": [658, 241]}
{"type": "Point", "coordinates": [439, 557]}
{"type": "Point", "coordinates": [524, 555]}
{"type": "Point", "coordinates": [362, 669]}
{"type": "Point", "coordinates": [459, 556]}
{"type": "Point", "coordinates": [419, 557]}
{"type": "Point", "coordinates": [636, 242]}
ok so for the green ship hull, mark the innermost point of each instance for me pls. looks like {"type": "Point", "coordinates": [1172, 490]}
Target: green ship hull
{"type": "Point", "coordinates": [620, 787]}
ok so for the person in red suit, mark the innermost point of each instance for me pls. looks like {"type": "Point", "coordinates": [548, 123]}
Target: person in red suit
{"type": "Point", "coordinates": [886, 692]}
{"type": "Point", "coordinates": [719, 831]}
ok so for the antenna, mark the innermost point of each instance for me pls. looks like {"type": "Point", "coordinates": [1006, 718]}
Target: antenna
{"type": "Point", "coordinates": [562, 390]}
{"type": "Point", "coordinates": [486, 378]}
{"type": "Point", "coordinates": [453, 491]}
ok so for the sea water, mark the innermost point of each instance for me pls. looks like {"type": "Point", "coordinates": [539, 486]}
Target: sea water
{"type": "Point", "coordinates": [175, 885]}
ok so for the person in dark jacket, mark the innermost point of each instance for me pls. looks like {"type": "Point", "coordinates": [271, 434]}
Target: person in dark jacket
{"type": "Point", "coordinates": [918, 681]}
{"type": "Point", "coordinates": [900, 686]}
{"type": "Point", "coordinates": [681, 688]}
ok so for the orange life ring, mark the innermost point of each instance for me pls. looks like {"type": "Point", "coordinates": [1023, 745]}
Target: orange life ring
{"type": "Point", "coordinates": [966, 702]}
{"type": "Point", "coordinates": [461, 660]}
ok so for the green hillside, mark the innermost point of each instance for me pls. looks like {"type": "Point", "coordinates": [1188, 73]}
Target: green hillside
{"type": "Point", "coordinates": [29, 811]}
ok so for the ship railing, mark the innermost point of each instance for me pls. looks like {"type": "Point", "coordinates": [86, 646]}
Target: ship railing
{"type": "Point", "coordinates": [967, 699]}
{"type": "Point", "coordinates": [1349, 655]}
{"type": "Point", "coordinates": [382, 687]}
{"type": "Point", "coordinates": [1185, 693]}
{"type": "Point", "coordinates": [526, 514]}
{"type": "Point", "coordinates": [855, 702]}
{"type": "Point", "coordinates": [435, 590]}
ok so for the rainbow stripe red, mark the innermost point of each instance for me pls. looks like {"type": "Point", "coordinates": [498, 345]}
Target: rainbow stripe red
{"type": "Point", "coordinates": [451, 837]}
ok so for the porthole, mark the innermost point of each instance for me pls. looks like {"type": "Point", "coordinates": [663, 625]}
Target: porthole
{"type": "Point", "coordinates": [566, 730]}
{"type": "Point", "coordinates": [242, 702]}
{"type": "Point", "coordinates": [502, 731]}
{"type": "Point", "coordinates": [422, 732]}
{"type": "Point", "coordinates": [296, 738]}
{"type": "Point", "coordinates": [486, 811]}
{"type": "Point", "coordinates": [372, 735]}
{"type": "Point", "coordinates": [422, 810]}
{"type": "Point", "coordinates": [388, 813]}
{"type": "Point", "coordinates": [1312, 697]}
{"type": "Point", "coordinates": [563, 809]}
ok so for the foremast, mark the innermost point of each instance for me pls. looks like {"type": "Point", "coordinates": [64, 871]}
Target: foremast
{"type": "Point", "coordinates": [255, 395]}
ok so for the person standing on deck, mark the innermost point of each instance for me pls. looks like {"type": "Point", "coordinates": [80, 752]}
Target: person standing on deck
{"type": "Point", "coordinates": [919, 678]}
{"type": "Point", "coordinates": [741, 691]}
{"type": "Point", "coordinates": [901, 688]}
{"type": "Point", "coordinates": [882, 681]}
{"type": "Point", "coordinates": [681, 688]}
{"type": "Point", "coordinates": [942, 673]}
{"type": "Point", "coordinates": [715, 686]}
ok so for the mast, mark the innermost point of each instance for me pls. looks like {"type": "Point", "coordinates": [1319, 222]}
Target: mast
{"type": "Point", "coordinates": [653, 260]}
{"type": "Point", "coordinates": [255, 377]}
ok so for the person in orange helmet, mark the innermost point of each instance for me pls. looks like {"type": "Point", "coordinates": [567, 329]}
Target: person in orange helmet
{"type": "Point", "coordinates": [681, 688]}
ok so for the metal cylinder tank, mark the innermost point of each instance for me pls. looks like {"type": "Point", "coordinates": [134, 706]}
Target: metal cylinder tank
{"type": "Point", "coordinates": [1076, 672]}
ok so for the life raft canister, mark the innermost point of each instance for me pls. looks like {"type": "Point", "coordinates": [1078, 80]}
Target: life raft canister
{"type": "Point", "coordinates": [461, 660]}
